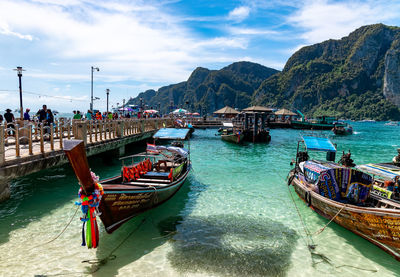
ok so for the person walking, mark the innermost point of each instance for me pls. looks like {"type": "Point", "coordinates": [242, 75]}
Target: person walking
{"type": "Point", "coordinates": [9, 117]}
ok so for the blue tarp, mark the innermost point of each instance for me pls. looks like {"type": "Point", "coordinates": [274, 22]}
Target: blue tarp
{"type": "Point", "coordinates": [319, 144]}
{"type": "Point", "coordinates": [171, 133]}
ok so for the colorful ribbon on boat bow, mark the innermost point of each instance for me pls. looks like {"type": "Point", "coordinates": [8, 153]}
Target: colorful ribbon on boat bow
{"type": "Point", "coordinates": [89, 205]}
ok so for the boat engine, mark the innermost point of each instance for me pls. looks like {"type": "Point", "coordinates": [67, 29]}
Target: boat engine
{"type": "Point", "coordinates": [346, 160]}
{"type": "Point", "coordinates": [396, 159]}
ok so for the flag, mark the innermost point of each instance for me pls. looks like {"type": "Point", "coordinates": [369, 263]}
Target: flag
{"type": "Point", "coordinates": [152, 148]}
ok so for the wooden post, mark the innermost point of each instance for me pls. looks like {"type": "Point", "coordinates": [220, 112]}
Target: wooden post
{"type": "Point", "coordinates": [36, 130]}
{"type": "Point", "coordinates": [30, 140]}
{"type": "Point", "coordinates": [95, 131]}
{"type": "Point", "coordinates": [101, 130]}
{"type": "Point", "coordinates": [51, 137]}
{"type": "Point", "coordinates": [142, 126]}
{"type": "Point", "coordinates": [90, 130]}
{"type": "Point", "coordinates": [81, 131]}
{"type": "Point", "coordinates": [69, 130]}
{"type": "Point", "coordinates": [17, 141]}
{"type": "Point", "coordinates": [41, 138]}
{"type": "Point", "coordinates": [2, 146]}
{"type": "Point", "coordinates": [120, 129]}
{"type": "Point", "coordinates": [60, 134]}
{"type": "Point", "coordinates": [56, 129]}
{"type": "Point", "coordinates": [262, 121]}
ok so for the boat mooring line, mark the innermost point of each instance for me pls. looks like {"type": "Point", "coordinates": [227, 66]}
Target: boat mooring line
{"type": "Point", "coordinates": [56, 237]}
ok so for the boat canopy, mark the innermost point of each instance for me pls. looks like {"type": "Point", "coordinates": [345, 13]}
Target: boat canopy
{"type": "Point", "coordinates": [172, 133]}
{"type": "Point", "coordinates": [227, 124]}
{"type": "Point", "coordinates": [383, 170]}
{"type": "Point", "coordinates": [319, 144]}
{"type": "Point", "coordinates": [176, 150]}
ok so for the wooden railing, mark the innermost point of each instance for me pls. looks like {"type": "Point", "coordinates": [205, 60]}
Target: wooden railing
{"type": "Point", "coordinates": [32, 138]}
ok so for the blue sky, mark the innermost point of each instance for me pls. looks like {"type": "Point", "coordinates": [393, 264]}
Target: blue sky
{"type": "Point", "coordinates": [140, 45]}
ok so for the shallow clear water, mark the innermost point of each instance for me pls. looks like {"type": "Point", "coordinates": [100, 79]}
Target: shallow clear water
{"type": "Point", "coordinates": [233, 217]}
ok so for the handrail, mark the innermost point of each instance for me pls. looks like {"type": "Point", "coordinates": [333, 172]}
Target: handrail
{"type": "Point", "coordinates": [29, 138]}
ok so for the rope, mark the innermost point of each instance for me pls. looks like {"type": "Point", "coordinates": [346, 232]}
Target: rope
{"type": "Point", "coordinates": [56, 237]}
{"type": "Point", "coordinates": [111, 256]}
{"type": "Point", "coordinates": [323, 228]}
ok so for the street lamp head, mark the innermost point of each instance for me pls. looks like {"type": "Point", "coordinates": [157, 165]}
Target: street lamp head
{"type": "Point", "coordinates": [107, 91]}
{"type": "Point", "coordinates": [96, 98]}
{"type": "Point", "coordinates": [19, 70]}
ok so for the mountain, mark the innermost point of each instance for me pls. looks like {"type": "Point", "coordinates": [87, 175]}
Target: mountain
{"type": "Point", "coordinates": [209, 90]}
{"type": "Point", "coordinates": [355, 77]}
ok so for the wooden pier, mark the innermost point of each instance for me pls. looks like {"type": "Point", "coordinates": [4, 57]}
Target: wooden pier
{"type": "Point", "coordinates": [31, 147]}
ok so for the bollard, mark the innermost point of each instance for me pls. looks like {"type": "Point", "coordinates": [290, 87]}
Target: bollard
{"type": "Point", "coordinates": [142, 126]}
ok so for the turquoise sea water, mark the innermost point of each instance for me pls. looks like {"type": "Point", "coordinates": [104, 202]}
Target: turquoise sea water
{"type": "Point", "coordinates": [233, 217]}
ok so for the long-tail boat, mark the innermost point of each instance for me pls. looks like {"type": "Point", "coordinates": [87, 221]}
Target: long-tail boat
{"type": "Point", "coordinates": [342, 130]}
{"type": "Point", "coordinates": [149, 180]}
{"type": "Point", "coordinates": [342, 194]}
{"type": "Point", "coordinates": [230, 134]}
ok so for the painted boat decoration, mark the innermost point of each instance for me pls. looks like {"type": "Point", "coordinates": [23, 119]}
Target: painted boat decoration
{"type": "Point", "coordinates": [386, 179]}
{"type": "Point", "coordinates": [150, 179]}
{"type": "Point", "coordinates": [342, 194]}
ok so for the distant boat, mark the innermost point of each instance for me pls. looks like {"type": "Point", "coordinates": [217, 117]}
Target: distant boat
{"type": "Point", "coordinates": [230, 134]}
{"type": "Point", "coordinates": [342, 194]}
{"type": "Point", "coordinates": [320, 123]}
{"type": "Point", "coordinates": [342, 130]}
{"type": "Point", "coordinates": [368, 120]}
{"type": "Point", "coordinates": [392, 123]}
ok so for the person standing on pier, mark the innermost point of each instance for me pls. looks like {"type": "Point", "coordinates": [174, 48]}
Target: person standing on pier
{"type": "Point", "coordinates": [42, 113]}
{"type": "Point", "coordinates": [89, 115]}
{"type": "Point", "coordinates": [26, 115]}
{"type": "Point", "coordinates": [9, 117]}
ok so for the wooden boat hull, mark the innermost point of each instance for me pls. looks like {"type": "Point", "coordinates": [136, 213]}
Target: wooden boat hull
{"type": "Point", "coordinates": [343, 132]}
{"type": "Point", "coordinates": [121, 203]}
{"type": "Point", "coordinates": [377, 225]}
{"type": "Point", "coordinates": [311, 125]}
{"type": "Point", "coordinates": [234, 138]}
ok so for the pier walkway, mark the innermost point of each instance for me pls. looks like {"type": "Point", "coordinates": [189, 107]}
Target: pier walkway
{"type": "Point", "coordinates": [29, 147]}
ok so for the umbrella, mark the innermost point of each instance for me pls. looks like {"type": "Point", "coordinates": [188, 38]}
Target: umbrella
{"type": "Point", "coordinates": [179, 111]}
{"type": "Point", "coordinates": [125, 109]}
{"type": "Point", "coordinates": [195, 114]}
{"type": "Point", "coordinates": [150, 111]}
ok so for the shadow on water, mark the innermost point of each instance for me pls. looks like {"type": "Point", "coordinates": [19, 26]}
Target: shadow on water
{"type": "Point", "coordinates": [367, 249]}
{"type": "Point", "coordinates": [158, 227]}
{"type": "Point", "coordinates": [232, 245]}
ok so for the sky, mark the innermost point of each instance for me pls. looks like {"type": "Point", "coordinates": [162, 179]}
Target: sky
{"type": "Point", "coordinates": [140, 45]}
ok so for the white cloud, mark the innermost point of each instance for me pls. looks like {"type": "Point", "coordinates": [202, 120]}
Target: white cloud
{"type": "Point", "coordinates": [239, 14]}
{"type": "Point", "coordinates": [5, 30]}
{"type": "Point", "coordinates": [325, 19]}
{"type": "Point", "coordinates": [251, 31]}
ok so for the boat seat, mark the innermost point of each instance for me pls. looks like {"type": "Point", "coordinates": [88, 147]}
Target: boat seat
{"type": "Point", "coordinates": [155, 174]}
{"type": "Point", "coordinates": [136, 183]}
{"type": "Point", "coordinates": [152, 180]}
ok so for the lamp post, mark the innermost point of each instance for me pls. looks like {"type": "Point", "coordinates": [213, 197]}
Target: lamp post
{"type": "Point", "coordinates": [91, 95]}
{"type": "Point", "coordinates": [123, 106]}
{"type": "Point", "coordinates": [108, 93]}
{"type": "Point", "coordinates": [19, 70]}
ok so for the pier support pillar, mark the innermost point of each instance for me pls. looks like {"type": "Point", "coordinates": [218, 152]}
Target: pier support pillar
{"type": "Point", "coordinates": [121, 150]}
{"type": "Point", "coordinates": [263, 121]}
{"type": "Point", "coordinates": [2, 146]}
{"type": "Point", "coordinates": [255, 130]}
{"type": "Point", "coordinates": [5, 191]}
{"type": "Point", "coordinates": [246, 121]}
{"type": "Point", "coordinates": [81, 131]}
{"type": "Point", "coordinates": [120, 129]}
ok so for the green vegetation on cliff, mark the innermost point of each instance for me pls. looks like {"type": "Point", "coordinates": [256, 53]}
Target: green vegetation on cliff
{"type": "Point", "coordinates": [337, 77]}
